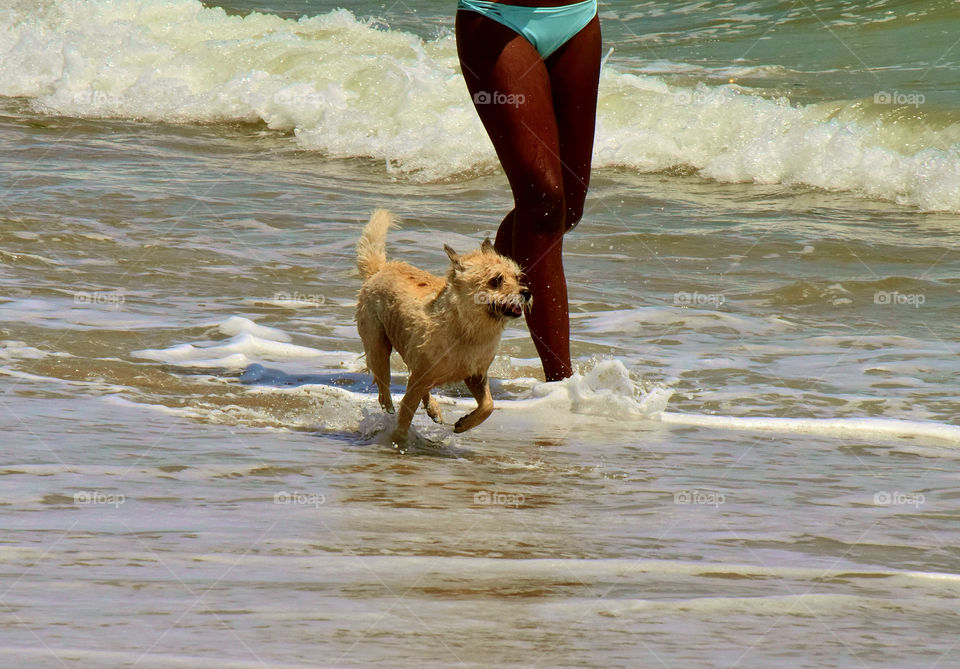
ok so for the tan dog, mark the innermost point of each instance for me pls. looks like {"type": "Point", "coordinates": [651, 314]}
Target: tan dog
{"type": "Point", "coordinates": [444, 329]}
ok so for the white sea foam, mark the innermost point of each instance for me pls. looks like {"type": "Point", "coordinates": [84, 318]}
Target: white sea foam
{"type": "Point", "coordinates": [18, 350]}
{"type": "Point", "coordinates": [831, 427]}
{"type": "Point", "coordinates": [345, 88]}
{"type": "Point", "coordinates": [804, 604]}
{"type": "Point", "coordinates": [605, 390]}
{"type": "Point", "coordinates": [688, 318]}
{"type": "Point", "coordinates": [238, 324]}
{"type": "Point", "coordinates": [250, 343]}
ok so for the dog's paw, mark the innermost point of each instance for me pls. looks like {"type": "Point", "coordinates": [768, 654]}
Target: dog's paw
{"type": "Point", "coordinates": [433, 410]}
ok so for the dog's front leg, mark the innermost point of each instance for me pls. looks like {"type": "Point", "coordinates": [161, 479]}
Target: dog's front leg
{"type": "Point", "coordinates": [416, 389]}
{"type": "Point", "coordinates": [479, 387]}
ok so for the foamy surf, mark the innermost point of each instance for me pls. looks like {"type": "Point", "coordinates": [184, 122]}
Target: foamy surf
{"type": "Point", "coordinates": [603, 388]}
{"type": "Point", "coordinates": [248, 344]}
{"type": "Point", "coordinates": [827, 427]}
{"type": "Point", "coordinates": [731, 134]}
{"type": "Point", "coordinates": [345, 88]}
{"type": "Point", "coordinates": [343, 395]}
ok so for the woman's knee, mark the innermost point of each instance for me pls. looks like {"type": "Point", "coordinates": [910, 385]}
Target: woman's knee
{"type": "Point", "coordinates": [543, 210]}
{"type": "Point", "coordinates": [575, 194]}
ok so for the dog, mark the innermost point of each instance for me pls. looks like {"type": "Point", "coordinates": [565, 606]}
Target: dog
{"type": "Point", "coordinates": [445, 329]}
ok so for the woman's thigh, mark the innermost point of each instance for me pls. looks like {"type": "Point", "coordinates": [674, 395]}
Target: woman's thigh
{"type": "Point", "coordinates": [511, 89]}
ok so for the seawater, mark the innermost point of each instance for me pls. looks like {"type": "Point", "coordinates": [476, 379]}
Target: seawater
{"type": "Point", "coordinates": [350, 86]}
{"type": "Point", "coordinates": [754, 466]}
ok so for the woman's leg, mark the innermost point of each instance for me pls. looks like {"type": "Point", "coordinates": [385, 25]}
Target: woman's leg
{"type": "Point", "coordinates": [510, 86]}
{"type": "Point", "coordinates": [512, 89]}
{"type": "Point", "coordinates": [574, 77]}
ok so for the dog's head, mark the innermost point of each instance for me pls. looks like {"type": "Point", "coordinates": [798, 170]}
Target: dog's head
{"type": "Point", "coordinates": [491, 283]}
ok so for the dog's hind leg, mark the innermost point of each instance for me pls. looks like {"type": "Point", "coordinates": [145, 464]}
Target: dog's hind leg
{"type": "Point", "coordinates": [479, 387]}
{"type": "Point", "coordinates": [377, 347]}
{"type": "Point", "coordinates": [433, 409]}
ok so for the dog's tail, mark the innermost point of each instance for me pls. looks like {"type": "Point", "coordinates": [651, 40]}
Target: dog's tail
{"type": "Point", "coordinates": [372, 247]}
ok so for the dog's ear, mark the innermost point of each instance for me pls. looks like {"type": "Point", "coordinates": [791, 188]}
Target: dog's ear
{"type": "Point", "coordinates": [487, 246]}
{"type": "Point", "coordinates": [454, 258]}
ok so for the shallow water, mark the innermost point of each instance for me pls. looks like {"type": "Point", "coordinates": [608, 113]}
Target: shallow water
{"type": "Point", "coordinates": [755, 466]}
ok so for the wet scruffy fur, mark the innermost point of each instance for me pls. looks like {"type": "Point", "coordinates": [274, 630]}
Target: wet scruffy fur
{"type": "Point", "coordinates": [445, 329]}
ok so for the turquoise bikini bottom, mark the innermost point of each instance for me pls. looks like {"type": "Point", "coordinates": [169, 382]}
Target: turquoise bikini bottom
{"type": "Point", "coordinates": [547, 28]}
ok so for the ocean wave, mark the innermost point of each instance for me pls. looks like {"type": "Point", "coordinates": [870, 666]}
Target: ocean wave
{"type": "Point", "coordinates": [602, 389]}
{"type": "Point", "coordinates": [247, 343]}
{"type": "Point", "coordinates": [346, 87]}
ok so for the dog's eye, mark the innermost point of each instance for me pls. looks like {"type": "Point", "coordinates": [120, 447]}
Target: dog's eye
{"type": "Point", "coordinates": [496, 281]}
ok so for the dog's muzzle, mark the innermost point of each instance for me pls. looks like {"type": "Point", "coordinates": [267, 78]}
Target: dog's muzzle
{"type": "Point", "coordinates": [514, 305]}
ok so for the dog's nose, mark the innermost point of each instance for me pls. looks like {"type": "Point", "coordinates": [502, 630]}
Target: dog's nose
{"type": "Point", "coordinates": [526, 294]}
